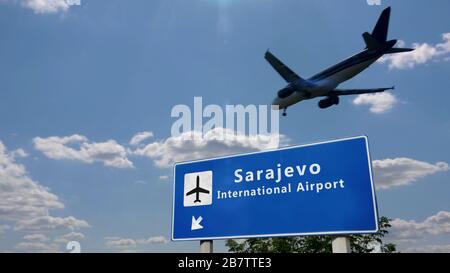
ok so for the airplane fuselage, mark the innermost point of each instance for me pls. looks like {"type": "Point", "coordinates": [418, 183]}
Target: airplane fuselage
{"type": "Point", "coordinates": [327, 80]}
{"type": "Point", "coordinates": [197, 197]}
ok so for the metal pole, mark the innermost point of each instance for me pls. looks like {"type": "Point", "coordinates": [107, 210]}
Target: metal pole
{"type": "Point", "coordinates": [206, 246]}
{"type": "Point", "coordinates": [341, 245]}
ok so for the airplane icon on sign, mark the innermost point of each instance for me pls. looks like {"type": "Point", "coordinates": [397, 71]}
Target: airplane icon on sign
{"type": "Point", "coordinates": [197, 190]}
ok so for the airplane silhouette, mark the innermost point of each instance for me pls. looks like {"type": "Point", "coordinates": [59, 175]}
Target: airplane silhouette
{"type": "Point", "coordinates": [325, 83]}
{"type": "Point", "coordinates": [197, 191]}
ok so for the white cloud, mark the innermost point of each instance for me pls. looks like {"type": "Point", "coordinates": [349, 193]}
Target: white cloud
{"type": "Point", "coordinates": [422, 54]}
{"type": "Point", "coordinates": [127, 251]}
{"type": "Point", "coordinates": [410, 231]}
{"type": "Point", "coordinates": [27, 205]}
{"type": "Point", "coordinates": [154, 240]}
{"type": "Point", "coordinates": [77, 147]}
{"type": "Point", "coordinates": [216, 142]}
{"type": "Point", "coordinates": [117, 242]}
{"type": "Point", "coordinates": [403, 171]}
{"type": "Point", "coordinates": [140, 182]}
{"type": "Point", "coordinates": [41, 243]}
{"type": "Point", "coordinates": [36, 237]}
{"type": "Point", "coordinates": [37, 247]}
{"type": "Point", "coordinates": [188, 146]}
{"type": "Point", "coordinates": [51, 223]}
{"type": "Point", "coordinates": [22, 198]}
{"type": "Point", "coordinates": [406, 231]}
{"type": "Point", "coordinates": [71, 236]}
{"type": "Point", "coordinates": [428, 249]}
{"type": "Point", "coordinates": [139, 137]}
{"type": "Point", "coordinates": [163, 177]}
{"type": "Point", "coordinates": [130, 244]}
{"type": "Point", "coordinates": [379, 103]}
{"type": "Point", "coordinates": [19, 153]}
{"type": "Point", "coordinates": [47, 6]}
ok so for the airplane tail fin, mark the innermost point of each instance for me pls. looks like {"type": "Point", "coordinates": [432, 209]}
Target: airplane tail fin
{"type": "Point", "coordinates": [380, 30]}
{"type": "Point", "coordinates": [378, 38]}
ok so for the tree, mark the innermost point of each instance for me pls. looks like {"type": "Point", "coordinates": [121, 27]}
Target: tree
{"type": "Point", "coordinates": [359, 243]}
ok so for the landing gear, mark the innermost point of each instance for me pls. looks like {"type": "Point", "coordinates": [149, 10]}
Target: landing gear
{"type": "Point", "coordinates": [284, 112]}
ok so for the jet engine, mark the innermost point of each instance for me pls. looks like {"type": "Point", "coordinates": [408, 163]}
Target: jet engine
{"type": "Point", "coordinates": [328, 102]}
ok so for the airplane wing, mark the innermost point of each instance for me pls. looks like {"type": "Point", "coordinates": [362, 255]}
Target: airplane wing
{"type": "Point", "coordinates": [284, 71]}
{"type": "Point", "coordinates": [191, 192]}
{"type": "Point", "coordinates": [197, 190]}
{"type": "Point", "coordinates": [343, 92]}
{"type": "Point", "coordinates": [202, 190]}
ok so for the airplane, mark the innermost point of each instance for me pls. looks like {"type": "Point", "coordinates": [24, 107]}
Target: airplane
{"type": "Point", "coordinates": [324, 83]}
{"type": "Point", "coordinates": [197, 191]}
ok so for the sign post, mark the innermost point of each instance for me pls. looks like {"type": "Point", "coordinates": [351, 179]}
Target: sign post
{"type": "Point", "coordinates": [206, 246]}
{"type": "Point", "coordinates": [341, 245]}
{"type": "Point", "coordinates": [323, 188]}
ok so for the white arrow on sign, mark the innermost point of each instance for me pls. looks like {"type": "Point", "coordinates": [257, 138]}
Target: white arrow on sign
{"type": "Point", "coordinates": [196, 223]}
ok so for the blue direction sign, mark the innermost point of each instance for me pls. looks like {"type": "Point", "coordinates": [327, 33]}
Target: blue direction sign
{"type": "Point", "coordinates": [316, 189]}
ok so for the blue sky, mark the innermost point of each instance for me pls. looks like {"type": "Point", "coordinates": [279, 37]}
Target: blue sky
{"type": "Point", "coordinates": [93, 76]}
